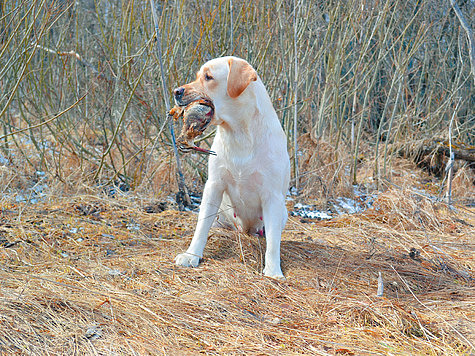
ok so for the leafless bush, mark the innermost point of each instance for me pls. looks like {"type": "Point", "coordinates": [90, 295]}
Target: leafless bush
{"type": "Point", "coordinates": [81, 97]}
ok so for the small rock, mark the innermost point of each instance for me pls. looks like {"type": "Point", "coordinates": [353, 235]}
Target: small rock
{"type": "Point", "coordinates": [93, 332]}
{"type": "Point", "coordinates": [271, 320]}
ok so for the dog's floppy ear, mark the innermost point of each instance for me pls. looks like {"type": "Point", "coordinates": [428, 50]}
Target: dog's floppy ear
{"type": "Point", "coordinates": [240, 75]}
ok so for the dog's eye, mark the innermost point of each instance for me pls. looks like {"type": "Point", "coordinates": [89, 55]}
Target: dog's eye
{"type": "Point", "coordinates": [208, 77]}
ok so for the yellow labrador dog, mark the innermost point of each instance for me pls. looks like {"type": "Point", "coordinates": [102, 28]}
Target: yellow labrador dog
{"type": "Point", "coordinates": [249, 176]}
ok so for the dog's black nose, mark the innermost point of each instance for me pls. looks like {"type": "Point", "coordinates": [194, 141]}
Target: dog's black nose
{"type": "Point", "coordinates": [178, 92]}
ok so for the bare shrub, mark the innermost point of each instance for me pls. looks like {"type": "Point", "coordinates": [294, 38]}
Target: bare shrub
{"type": "Point", "coordinates": [81, 79]}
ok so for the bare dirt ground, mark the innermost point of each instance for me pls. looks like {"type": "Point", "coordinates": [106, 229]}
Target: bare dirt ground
{"type": "Point", "coordinates": [92, 275]}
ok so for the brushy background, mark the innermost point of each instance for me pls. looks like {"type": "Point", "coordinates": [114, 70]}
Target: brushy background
{"type": "Point", "coordinates": [368, 92]}
{"type": "Point", "coordinates": [81, 81]}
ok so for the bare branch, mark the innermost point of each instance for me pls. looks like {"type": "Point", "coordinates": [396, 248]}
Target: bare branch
{"type": "Point", "coordinates": [469, 32]}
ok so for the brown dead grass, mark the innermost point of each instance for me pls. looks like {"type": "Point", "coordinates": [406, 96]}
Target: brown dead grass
{"type": "Point", "coordinates": [324, 170]}
{"type": "Point", "coordinates": [96, 276]}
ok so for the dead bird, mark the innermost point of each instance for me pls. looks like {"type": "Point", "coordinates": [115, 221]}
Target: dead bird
{"type": "Point", "coordinates": [197, 115]}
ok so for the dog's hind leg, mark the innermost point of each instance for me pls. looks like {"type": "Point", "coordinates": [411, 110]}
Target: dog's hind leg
{"type": "Point", "coordinates": [275, 216]}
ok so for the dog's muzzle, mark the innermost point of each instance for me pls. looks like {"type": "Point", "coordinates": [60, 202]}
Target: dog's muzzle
{"type": "Point", "coordinates": [178, 96]}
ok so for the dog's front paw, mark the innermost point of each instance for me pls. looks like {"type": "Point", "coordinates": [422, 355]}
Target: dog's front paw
{"type": "Point", "coordinates": [274, 273]}
{"type": "Point", "coordinates": [187, 260]}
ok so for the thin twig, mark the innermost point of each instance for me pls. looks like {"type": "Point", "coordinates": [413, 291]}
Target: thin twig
{"type": "Point", "coordinates": [380, 291]}
{"type": "Point", "coordinates": [180, 178]}
{"type": "Point", "coordinates": [119, 124]}
{"type": "Point", "coordinates": [44, 122]}
{"type": "Point", "coordinates": [450, 163]}
{"type": "Point", "coordinates": [296, 75]}
{"type": "Point", "coordinates": [469, 32]}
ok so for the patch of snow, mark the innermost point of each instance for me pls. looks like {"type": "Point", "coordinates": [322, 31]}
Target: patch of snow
{"type": "Point", "coordinates": [345, 205]}
{"type": "Point", "coordinates": [309, 212]}
{"type": "Point", "coordinates": [341, 205]}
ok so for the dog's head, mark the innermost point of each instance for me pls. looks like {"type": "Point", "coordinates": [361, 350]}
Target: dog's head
{"type": "Point", "coordinates": [219, 80]}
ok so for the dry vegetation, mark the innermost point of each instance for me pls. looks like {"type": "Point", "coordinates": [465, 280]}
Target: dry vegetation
{"type": "Point", "coordinates": [91, 275]}
{"type": "Point", "coordinates": [88, 231]}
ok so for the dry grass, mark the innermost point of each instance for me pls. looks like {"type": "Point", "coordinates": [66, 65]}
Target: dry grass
{"type": "Point", "coordinates": [95, 276]}
{"type": "Point", "coordinates": [324, 170]}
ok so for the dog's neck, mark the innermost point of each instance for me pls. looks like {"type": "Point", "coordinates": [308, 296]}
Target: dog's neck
{"type": "Point", "coordinates": [249, 111]}
{"type": "Point", "coordinates": [247, 120]}
{"type": "Point", "coordinates": [239, 135]}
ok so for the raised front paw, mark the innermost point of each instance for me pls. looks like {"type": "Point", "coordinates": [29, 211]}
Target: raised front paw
{"type": "Point", "coordinates": [187, 260]}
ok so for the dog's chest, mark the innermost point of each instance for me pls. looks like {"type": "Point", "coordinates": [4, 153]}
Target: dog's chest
{"type": "Point", "coordinates": [242, 181]}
